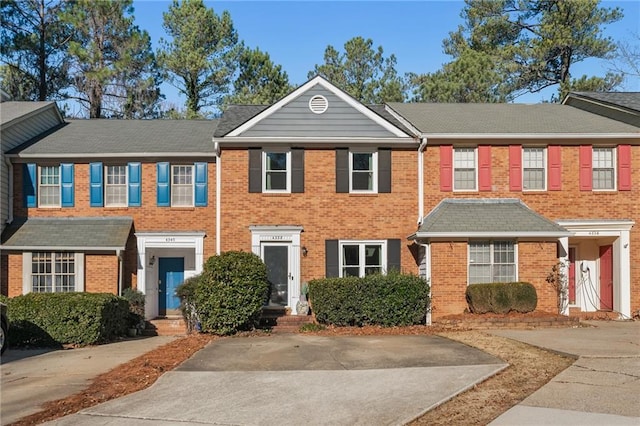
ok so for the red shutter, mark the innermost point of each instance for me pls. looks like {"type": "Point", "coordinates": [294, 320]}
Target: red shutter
{"type": "Point", "coordinates": [446, 168]}
{"type": "Point", "coordinates": [586, 164]}
{"type": "Point", "coordinates": [515, 167]}
{"type": "Point", "coordinates": [484, 168]}
{"type": "Point", "coordinates": [554, 158]}
{"type": "Point", "coordinates": [624, 167]}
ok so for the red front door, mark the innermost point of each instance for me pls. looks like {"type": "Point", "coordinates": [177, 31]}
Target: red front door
{"type": "Point", "coordinates": [572, 275]}
{"type": "Point", "coordinates": [606, 277]}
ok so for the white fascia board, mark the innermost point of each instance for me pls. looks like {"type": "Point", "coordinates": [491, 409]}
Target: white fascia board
{"type": "Point", "coordinates": [30, 114]}
{"type": "Point", "coordinates": [61, 248]}
{"type": "Point", "coordinates": [590, 225]}
{"type": "Point", "coordinates": [330, 87]}
{"type": "Point", "coordinates": [545, 136]}
{"type": "Point", "coordinates": [17, 157]}
{"type": "Point", "coordinates": [431, 235]}
{"type": "Point", "coordinates": [402, 120]}
{"type": "Point", "coordinates": [170, 234]}
{"type": "Point", "coordinates": [297, 141]}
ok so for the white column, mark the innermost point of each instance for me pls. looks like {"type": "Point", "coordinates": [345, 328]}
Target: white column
{"type": "Point", "coordinates": [427, 276]}
{"type": "Point", "coordinates": [564, 273]}
{"type": "Point", "coordinates": [622, 291]}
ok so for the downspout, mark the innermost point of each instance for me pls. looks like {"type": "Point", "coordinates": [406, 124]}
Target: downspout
{"type": "Point", "coordinates": [421, 148]}
{"type": "Point", "coordinates": [10, 185]}
{"type": "Point", "coordinates": [120, 255]}
{"type": "Point", "coordinates": [218, 188]}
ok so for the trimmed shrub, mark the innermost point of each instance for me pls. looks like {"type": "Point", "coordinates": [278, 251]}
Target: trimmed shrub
{"type": "Point", "coordinates": [230, 293]}
{"type": "Point", "coordinates": [388, 300]}
{"type": "Point", "coordinates": [501, 298]}
{"type": "Point", "coordinates": [136, 301]}
{"type": "Point", "coordinates": [53, 319]}
{"type": "Point", "coordinates": [186, 292]}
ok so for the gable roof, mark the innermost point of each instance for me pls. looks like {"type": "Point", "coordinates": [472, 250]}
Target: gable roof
{"type": "Point", "coordinates": [67, 233]}
{"type": "Point", "coordinates": [508, 120]}
{"type": "Point", "coordinates": [13, 112]}
{"type": "Point", "coordinates": [101, 137]}
{"type": "Point", "coordinates": [486, 218]}
{"type": "Point", "coordinates": [620, 106]}
{"type": "Point", "coordinates": [241, 119]}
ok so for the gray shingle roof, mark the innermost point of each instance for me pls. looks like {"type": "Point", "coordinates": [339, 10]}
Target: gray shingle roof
{"type": "Point", "coordinates": [106, 137]}
{"type": "Point", "coordinates": [81, 233]}
{"type": "Point", "coordinates": [12, 110]}
{"type": "Point", "coordinates": [630, 100]}
{"type": "Point", "coordinates": [465, 119]}
{"type": "Point", "coordinates": [500, 217]}
{"type": "Point", "coordinates": [236, 115]}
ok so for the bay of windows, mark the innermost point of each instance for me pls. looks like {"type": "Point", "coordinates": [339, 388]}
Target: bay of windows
{"type": "Point", "coordinates": [53, 272]}
{"type": "Point", "coordinates": [492, 261]}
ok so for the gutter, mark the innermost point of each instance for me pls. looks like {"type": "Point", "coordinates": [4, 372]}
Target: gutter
{"type": "Point", "coordinates": [120, 254]}
{"type": "Point", "coordinates": [421, 149]}
{"type": "Point", "coordinates": [10, 188]}
{"type": "Point", "coordinates": [218, 189]}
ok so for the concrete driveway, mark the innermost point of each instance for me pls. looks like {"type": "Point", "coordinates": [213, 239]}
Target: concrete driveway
{"type": "Point", "coordinates": [294, 379]}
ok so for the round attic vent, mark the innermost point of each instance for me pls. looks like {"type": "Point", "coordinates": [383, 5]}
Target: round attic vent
{"type": "Point", "coordinates": [318, 104]}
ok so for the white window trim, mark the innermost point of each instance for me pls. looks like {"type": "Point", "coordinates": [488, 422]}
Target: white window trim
{"type": "Point", "coordinates": [515, 257]}
{"type": "Point", "coordinates": [545, 172]}
{"type": "Point", "coordinates": [374, 177]}
{"type": "Point", "coordinates": [39, 177]}
{"type": "Point", "coordinates": [614, 160]}
{"type": "Point", "coordinates": [362, 244]}
{"type": "Point", "coordinates": [453, 169]}
{"type": "Point", "coordinates": [193, 185]}
{"type": "Point", "coordinates": [26, 271]}
{"type": "Point", "coordinates": [126, 184]}
{"type": "Point", "coordinates": [264, 170]}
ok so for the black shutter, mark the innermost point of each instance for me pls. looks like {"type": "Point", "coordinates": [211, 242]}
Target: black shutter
{"type": "Point", "coordinates": [297, 170]}
{"type": "Point", "coordinates": [331, 254]}
{"type": "Point", "coordinates": [342, 170]}
{"type": "Point", "coordinates": [393, 255]}
{"type": "Point", "coordinates": [384, 170]}
{"type": "Point", "coordinates": [255, 170]}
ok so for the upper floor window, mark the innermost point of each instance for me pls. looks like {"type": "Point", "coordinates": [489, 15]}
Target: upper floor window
{"type": "Point", "coordinates": [116, 186]}
{"type": "Point", "coordinates": [49, 186]}
{"type": "Point", "coordinates": [534, 169]}
{"type": "Point", "coordinates": [464, 169]}
{"type": "Point", "coordinates": [360, 258]}
{"type": "Point", "coordinates": [276, 171]}
{"type": "Point", "coordinates": [603, 168]}
{"type": "Point", "coordinates": [181, 186]}
{"type": "Point", "coordinates": [492, 261]}
{"type": "Point", "coordinates": [363, 169]}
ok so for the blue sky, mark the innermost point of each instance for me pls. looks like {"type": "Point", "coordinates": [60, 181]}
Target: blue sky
{"type": "Point", "coordinates": [296, 33]}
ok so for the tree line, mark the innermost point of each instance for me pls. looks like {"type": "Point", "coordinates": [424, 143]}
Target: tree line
{"type": "Point", "coordinates": [91, 51]}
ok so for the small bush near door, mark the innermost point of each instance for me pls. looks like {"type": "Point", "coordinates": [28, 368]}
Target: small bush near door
{"type": "Point", "coordinates": [501, 298]}
{"type": "Point", "coordinates": [389, 300]}
{"type": "Point", "coordinates": [229, 294]}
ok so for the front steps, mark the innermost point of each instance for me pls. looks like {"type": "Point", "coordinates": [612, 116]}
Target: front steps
{"type": "Point", "coordinates": [166, 326]}
{"type": "Point", "coordinates": [279, 321]}
{"type": "Point", "coordinates": [593, 315]}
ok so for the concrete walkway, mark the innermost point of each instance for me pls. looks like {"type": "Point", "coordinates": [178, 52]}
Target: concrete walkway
{"type": "Point", "coordinates": [297, 379]}
{"type": "Point", "coordinates": [29, 378]}
{"type": "Point", "coordinates": [601, 388]}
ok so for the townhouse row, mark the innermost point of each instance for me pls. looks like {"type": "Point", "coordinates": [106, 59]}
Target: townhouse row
{"type": "Point", "coordinates": [318, 184]}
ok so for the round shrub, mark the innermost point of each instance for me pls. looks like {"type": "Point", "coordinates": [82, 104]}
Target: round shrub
{"type": "Point", "coordinates": [501, 298]}
{"type": "Point", "coordinates": [230, 293]}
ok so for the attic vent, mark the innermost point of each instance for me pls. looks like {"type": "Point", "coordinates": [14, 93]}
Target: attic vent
{"type": "Point", "coordinates": [318, 104]}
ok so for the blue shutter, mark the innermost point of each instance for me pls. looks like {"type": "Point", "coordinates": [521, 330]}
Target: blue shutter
{"type": "Point", "coordinates": [96, 192]}
{"type": "Point", "coordinates": [135, 190]}
{"type": "Point", "coordinates": [163, 185]}
{"type": "Point", "coordinates": [29, 185]}
{"type": "Point", "coordinates": [201, 184]}
{"type": "Point", "coordinates": [66, 180]}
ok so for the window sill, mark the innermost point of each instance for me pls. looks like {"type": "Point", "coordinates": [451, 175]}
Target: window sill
{"type": "Point", "coordinates": [185, 208]}
{"type": "Point", "coordinates": [52, 208]}
{"type": "Point", "coordinates": [363, 194]}
{"type": "Point", "coordinates": [276, 194]}
{"type": "Point", "coordinates": [604, 191]}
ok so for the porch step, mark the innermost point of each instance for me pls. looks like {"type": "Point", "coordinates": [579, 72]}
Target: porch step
{"type": "Point", "coordinates": [593, 315]}
{"type": "Point", "coordinates": [278, 321]}
{"type": "Point", "coordinates": [167, 326]}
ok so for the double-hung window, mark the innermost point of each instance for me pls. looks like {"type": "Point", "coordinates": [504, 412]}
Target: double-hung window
{"type": "Point", "coordinates": [534, 169]}
{"type": "Point", "coordinates": [115, 188]}
{"type": "Point", "coordinates": [360, 258]}
{"type": "Point", "coordinates": [604, 170]}
{"type": "Point", "coordinates": [464, 169]}
{"type": "Point", "coordinates": [276, 169]}
{"type": "Point", "coordinates": [182, 186]}
{"type": "Point", "coordinates": [492, 261]}
{"type": "Point", "coordinates": [53, 272]}
{"type": "Point", "coordinates": [49, 186]}
{"type": "Point", "coordinates": [363, 171]}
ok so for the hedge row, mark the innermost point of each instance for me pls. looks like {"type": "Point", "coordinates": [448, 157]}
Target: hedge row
{"type": "Point", "coordinates": [53, 319]}
{"type": "Point", "coordinates": [501, 298]}
{"type": "Point", "coordinates": [387, 300]}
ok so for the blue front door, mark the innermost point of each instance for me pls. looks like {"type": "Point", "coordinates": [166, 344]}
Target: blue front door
{"type": "Point", "coordinates": [170, 276]}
